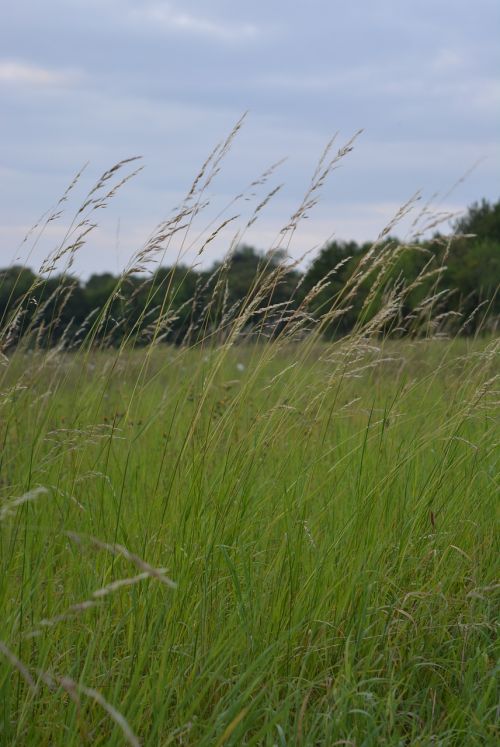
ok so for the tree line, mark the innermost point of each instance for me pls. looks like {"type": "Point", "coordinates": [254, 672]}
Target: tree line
{"type": "Point", "coordinates": [179, 304]}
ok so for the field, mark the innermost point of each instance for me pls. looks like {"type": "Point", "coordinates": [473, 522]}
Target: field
{"type": "Point", "coordinates": [255, 544]}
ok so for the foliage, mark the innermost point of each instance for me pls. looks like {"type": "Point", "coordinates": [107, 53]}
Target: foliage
{"type": "Point", "coordinates": [470, 275]}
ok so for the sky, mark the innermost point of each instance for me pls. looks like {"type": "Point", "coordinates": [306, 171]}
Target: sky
{"type": "Point", "coordinates": [96, 81]}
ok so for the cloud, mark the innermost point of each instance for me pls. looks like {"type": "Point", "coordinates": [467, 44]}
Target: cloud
{"type": "Point", "coordinates": [441, 79]}
{"type": "Point", "coordinates": [487, 96]}
{"type": "Point", "coordinates": [165, 17]}
{"type": "Point", "coordinates": [447, 60]}
{"type": "Point", "coordinates": [18, 73]}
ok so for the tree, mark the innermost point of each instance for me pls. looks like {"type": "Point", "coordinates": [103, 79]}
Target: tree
{"type": "Point", "coordinates": [483, 220]}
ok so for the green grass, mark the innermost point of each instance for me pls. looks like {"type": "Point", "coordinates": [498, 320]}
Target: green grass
{"type": "Point", "coordinates": [288, 542]}
{"type": "Point", "coordinates": [326, 511]}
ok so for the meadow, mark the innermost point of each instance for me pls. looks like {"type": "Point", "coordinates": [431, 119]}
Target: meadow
{"type": "Point", "coordinates": [263, 536]}
{"type": "Point", "coordinates": [265, 544]}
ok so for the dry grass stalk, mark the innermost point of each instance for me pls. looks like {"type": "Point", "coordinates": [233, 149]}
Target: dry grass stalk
{"type": "Point", "coordinates": [74, 689]}
{"type": "Point", "coordinates": [9, 508]}
{"type": "Point", "coordinates": [115, 549]}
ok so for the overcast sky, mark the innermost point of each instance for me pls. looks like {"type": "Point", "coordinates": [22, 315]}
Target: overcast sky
{"type": "Point", "coordinates": [100, 80]}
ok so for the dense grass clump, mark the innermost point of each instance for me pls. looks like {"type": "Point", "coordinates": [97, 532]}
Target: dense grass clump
{"type": "Point", "coordinates": [257, 538]}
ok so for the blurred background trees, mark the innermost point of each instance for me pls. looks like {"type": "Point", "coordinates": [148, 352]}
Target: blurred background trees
{"type": "Point", "coordinates": [176, 302]}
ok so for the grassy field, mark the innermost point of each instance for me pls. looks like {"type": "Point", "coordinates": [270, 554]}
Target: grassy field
{"type": "Point", "coordinates": [275, 544]}
{"type": "Point", "coordinates": [258, 537]}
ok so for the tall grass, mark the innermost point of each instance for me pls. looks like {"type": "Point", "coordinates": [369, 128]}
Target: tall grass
{"type": "Point", "coordinates": [258, 538]}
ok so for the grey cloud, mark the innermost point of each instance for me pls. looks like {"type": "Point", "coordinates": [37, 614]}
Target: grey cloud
{"type": "Point", "coordinates": [164, 17]}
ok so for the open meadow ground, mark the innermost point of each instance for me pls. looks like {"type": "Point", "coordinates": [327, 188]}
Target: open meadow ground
{"type": "Point", "coordinates": [266, 544]}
